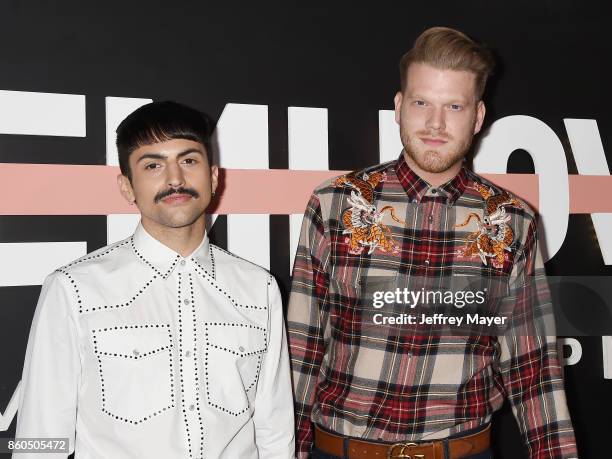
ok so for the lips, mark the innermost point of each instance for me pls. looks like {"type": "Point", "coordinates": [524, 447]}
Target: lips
{"type": "Point", "coordinates": [433, 142]}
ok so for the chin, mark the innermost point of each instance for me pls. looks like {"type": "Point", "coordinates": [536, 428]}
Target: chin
{"type": "Point", "coordinates": [435, 162]}
{"type": "Point", "coordinates": [179, 221]}
{"type": "Point", "coordinates": [432, 162]}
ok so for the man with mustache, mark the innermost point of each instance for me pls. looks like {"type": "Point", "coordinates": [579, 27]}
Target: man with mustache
{"type": "Point", "coordinates": [162, 345]}
{"type": "Point", "coordinates": [364, 390]}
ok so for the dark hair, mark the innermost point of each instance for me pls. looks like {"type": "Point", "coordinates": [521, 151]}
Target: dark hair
{"type": "Point", "coordinates": [159, 122]}
{"type": "Point", "coordinates": [449, 49]}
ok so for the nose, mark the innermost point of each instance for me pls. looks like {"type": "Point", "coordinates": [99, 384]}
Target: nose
{"type": "Point", "coordinates": [174, 175]}
{"type": "Point", "coordinates": [436, 119]}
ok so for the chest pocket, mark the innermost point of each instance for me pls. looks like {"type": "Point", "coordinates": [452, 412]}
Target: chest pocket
{"type": "Point", "coordinates": [233, 357]}
{"type": "Point", "coordinates": [355, 304]}
{"type": "Point", "coordinates": [135, 364]}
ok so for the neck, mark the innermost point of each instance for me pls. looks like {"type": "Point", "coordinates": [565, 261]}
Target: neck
{"type": "Point", "coordinates": [434, 178]}
{"type": "Point", "coordinates": [182, 240]}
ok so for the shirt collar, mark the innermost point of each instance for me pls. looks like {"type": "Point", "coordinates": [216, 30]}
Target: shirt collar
{"type": "Point", "coordinates": [416, 187]}
{"type": "Point", "coordinates": [162, 259]}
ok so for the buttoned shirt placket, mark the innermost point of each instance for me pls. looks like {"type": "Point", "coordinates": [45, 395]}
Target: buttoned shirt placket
{"type": "Point", "coordinates": [187, 343]}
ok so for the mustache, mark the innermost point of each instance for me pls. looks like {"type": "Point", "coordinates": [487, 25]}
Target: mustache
{"type": "Point", "coordinates": [435, 135]}
{"type": "Point", "coordinates": [170, 191]}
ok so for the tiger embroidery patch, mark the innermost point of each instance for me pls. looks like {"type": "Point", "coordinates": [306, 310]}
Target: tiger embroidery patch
{"type": "Point", "coordinates": [493, 236]}
{"type": "Point", "coordinates": [362, 222]}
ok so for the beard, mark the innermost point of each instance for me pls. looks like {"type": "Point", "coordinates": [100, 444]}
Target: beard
{"type": "Point", "coordinates": [434, 161]}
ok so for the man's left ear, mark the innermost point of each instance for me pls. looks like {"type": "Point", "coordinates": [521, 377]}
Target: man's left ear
{"type": "Point", "coordinates": [214, 178]}
{"type": "Point", "coordinates": [480, 114]}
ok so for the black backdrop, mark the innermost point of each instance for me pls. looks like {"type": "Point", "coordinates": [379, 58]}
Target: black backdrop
{"type": "Point", "coordinates": [554, 63]}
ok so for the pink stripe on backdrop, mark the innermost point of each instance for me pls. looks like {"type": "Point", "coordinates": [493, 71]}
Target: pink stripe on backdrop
{"type": "Point", "coordinates": [50, 189]}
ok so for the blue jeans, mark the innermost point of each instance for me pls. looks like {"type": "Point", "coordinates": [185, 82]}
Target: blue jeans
{"type": "Point", "coordinates": [316, 454]}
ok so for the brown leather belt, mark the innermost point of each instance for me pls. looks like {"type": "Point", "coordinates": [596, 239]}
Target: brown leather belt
{"type": "Point", "coordinates": [360, 449]}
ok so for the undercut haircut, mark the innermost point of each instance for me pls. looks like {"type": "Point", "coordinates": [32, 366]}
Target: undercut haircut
{"type": "Point", "coordinates": [448, 49]}
{"type": "Point", "coordinates": [159, 122]}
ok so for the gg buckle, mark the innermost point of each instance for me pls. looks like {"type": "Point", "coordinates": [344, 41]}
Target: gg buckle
{"type": "Point", "coordinates": [401, 450]}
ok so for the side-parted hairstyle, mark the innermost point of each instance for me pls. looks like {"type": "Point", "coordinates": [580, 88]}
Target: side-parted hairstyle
{"type": "Point", "coordinates": [158, 122]}
{"type": "Point", "coordinates": [449, 49]}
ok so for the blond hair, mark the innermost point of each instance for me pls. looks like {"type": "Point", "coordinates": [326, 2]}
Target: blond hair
{"type": "Point", "coordinates": [449, 49]}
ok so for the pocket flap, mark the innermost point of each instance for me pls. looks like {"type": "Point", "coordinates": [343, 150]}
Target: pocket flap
{"type": "Point", "coordinates": [132, 341]}
{"type": "Point", "coordinates": [236, 338]}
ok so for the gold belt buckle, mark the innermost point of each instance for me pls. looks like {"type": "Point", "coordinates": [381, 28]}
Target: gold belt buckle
{"type": "Point", "coordinates": [401, 450]}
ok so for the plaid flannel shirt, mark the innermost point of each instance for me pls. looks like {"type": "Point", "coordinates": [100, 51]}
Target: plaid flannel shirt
{"type": "Point", "coordinates": [419, 387]}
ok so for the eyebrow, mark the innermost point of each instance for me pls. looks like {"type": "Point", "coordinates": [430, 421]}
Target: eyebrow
{"type": "Point", "coordinates": [162, 156]}
{"type": "Point", "coordinates": [421, 97]}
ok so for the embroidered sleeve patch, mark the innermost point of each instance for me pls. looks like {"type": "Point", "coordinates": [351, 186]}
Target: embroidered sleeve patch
{"type": "Point", "coordinates": [362, 221]}
{"type": "Point", "coordinates": [493, 236]}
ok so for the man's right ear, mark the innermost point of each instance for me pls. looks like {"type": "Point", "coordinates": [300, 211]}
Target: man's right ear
{"type": "Point", "coordinates": [397, 102]}
{"type": "Point", "coordinates": [125, 187]}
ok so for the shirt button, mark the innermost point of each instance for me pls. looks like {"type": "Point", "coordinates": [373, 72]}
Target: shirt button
{"type": "Point", "coordinates": [188, 354]}
{"type": "Point", "coordinates": [426, 262]}
{"type": "Point", "coordinates": [430, 218]}
{"type": "Point", "coordinates": [191, 407]}
{"type": "Point", "coordinates": [183, 262]}
{"type": "Point", "coordinates": [434, 190]}
{"type": "Point", "coordinates": [186, 301]}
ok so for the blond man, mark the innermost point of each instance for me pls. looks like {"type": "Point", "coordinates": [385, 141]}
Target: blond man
{"type": "Point", "coordinates": [363, 390]}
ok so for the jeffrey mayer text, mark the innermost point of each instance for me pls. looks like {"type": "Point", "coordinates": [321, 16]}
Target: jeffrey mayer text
{"type": "Point", "coordinates": [437, 319]}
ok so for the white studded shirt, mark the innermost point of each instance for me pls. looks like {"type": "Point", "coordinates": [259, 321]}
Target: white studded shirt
{"type": "Point", "coordinates": [137, 352]}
